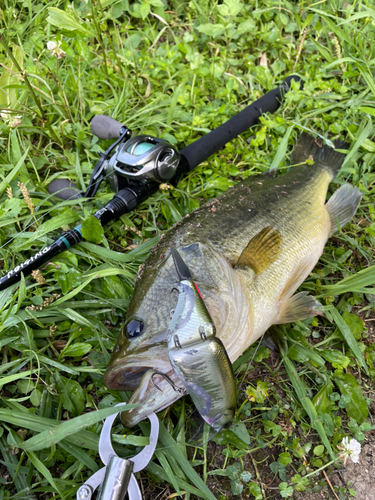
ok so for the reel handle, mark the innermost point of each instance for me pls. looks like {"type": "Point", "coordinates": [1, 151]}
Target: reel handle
{"type": "Point", "coordinates": [198, 151]}
{"type": "Point", "coordinates": [105, 127]}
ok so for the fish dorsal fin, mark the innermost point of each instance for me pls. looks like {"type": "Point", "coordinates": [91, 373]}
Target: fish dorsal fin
{"type": "Point", "coordinates": [342, 205]}
{"type": "Point", "coordinates": [299, 275]}
{"type": "Point", "coordinates": [298, 307]}
{"type": "Point", "coordinates": [261, 251]}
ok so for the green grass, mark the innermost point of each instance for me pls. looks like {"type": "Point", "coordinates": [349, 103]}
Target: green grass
{"type": "Point", "coordinates": [177, 70]}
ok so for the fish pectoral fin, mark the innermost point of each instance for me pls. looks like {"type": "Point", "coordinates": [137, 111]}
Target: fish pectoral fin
{"type": "Point", "coordinates": [261, 251]}
{"type": "Point", "coordinates": [343, 205]}
{"type": "Point", "coordinates": [298, 307]}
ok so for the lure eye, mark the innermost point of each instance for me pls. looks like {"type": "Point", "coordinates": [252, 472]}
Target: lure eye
{"type": "Point", "coordinates": [134, 328]}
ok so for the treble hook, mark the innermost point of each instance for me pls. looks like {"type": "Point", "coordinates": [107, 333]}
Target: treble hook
{"type": "Point", "coordinates": [180, 390]}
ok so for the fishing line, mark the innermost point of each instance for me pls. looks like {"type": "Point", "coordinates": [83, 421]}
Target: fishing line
{"type": "Point", "coordinates": [252, 359]}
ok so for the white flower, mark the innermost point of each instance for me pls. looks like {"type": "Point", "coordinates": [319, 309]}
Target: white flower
{"type": "Point", "coordinates": [349, 449]}
{"type": "Point", "coordinates": [54, 48]}
{"type": "Point", "coordinates": [53, 45]}
{"type": "Point", "coordinates": [5, 115]}
{"type": "Point", "coordinates": [9, 119]}
{"type": "Point", "coordinates": [15, 121]}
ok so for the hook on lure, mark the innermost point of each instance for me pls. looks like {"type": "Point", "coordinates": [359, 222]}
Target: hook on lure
{"type": "Point", "coordinates": [175, 387]}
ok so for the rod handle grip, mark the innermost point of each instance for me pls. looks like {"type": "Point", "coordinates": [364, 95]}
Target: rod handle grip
{"type": "Point", "coordinates": [105, 127]}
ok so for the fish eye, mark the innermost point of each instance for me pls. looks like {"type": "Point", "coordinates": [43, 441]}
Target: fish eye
{"type": "Point", "coordinates": [134, 328]}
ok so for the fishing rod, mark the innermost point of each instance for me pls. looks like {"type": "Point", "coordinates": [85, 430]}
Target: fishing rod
{"type": "Point", "coordinates": [135, 166]}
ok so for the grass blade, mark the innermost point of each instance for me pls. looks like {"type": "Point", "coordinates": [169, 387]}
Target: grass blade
{"type": "Point", "coordinates": [281, 150]}
{"type": "Point", "coordinates": [59, 366]}
{"type": "Point", "coordinates": [348, 336]}
{"type": "Point", "coordinates": [79, 454]}
{"type": "Point", "coordinates": [44, 471]}
{"type": "Point", "coordinates": [27, 420]}
{"type": "Point", "coordinates": [5, 182]}
{"type": "Point", "coordinates": [20, 480]}
{"type": "Point", "coordinates": [168, 442]}
{"type": "Point", "coordinates": [362, 137]}
{"type": "Point", "coordinates": [168, 470]}
{"type": "Point", "coordinates": [306, 402]}
{"type": "Point", "coordinates": [131, 256]}
{"type": "Point", "coordinates": [16, 376]}
{"type": "Point", "coordinates": [56, 222]}
{"type": "Point", "coordinates": [353, 283]}
{"type": "Point", "coordinates": [52, 436]}
{"type": "Point", "coordinates": [161, 474]}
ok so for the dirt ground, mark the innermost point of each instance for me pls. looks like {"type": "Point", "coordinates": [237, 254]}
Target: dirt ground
{"type": "Point", "coordinates": [361, 477]}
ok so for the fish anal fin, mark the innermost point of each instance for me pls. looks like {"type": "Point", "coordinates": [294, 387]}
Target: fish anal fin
{"type": "Point", "coordinates": [301, 272]}
{"type": "Point", "coordinates": [343, 205]}
{"type": "Point", "coordinates": [261, 251]}
{"type": "Point", "coordinates": [298, 307]}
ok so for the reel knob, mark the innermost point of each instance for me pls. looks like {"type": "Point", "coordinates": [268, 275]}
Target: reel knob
{"type": "Point", "coordinates": [166, 164]}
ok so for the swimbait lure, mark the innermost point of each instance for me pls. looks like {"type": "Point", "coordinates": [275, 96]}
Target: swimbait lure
{"type": "Point", "coordinates": [197, 356]}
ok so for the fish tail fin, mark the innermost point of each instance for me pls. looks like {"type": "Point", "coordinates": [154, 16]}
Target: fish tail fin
{"type": "Point", "coordinates": [343, 205]}
{"type": "Point", "coordinates": [309, 147]}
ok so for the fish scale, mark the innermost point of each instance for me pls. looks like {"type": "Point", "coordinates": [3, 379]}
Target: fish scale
{"type": "Point", "coordinates": [248, 251]}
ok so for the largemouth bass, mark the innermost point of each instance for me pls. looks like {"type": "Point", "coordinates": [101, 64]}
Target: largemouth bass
{"type": "Point", "coordinates": [248, 251]}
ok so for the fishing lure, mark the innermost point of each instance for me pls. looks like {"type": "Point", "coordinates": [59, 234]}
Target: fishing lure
{"type": "Point", "coordinates": [197, 356]}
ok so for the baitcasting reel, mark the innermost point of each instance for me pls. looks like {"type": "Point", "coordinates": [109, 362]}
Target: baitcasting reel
{"type": "Point", "coordinates": [141, 158]}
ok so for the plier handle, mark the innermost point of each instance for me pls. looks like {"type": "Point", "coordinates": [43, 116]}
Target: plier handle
{"type": "Point", "coordinates": [117, 478]}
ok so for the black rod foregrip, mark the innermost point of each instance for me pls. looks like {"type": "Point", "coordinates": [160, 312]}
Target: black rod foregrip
{"type": "Point", "coordinates": [203, 148]}
{"type": "Point", "coordinates": [42, 257]}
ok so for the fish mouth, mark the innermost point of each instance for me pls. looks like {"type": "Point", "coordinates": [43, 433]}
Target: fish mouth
{"type": "Point", "coordinates": [125, 379]}
{"type": "Point", "coordinates": [126, 376]}
{"type": "Point", "coordinates": [155, 392]}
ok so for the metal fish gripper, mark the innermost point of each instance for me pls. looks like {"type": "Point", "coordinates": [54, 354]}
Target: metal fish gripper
{"type": "Point", "coordinates": [117, 478]}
